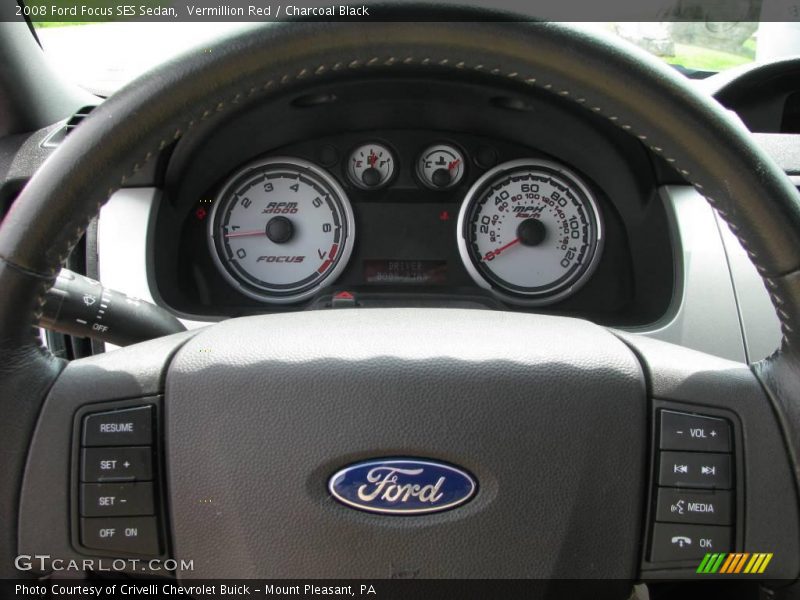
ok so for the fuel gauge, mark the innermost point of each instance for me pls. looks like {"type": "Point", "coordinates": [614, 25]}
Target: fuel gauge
{"type": "Point", "coordinates": [440, 166]}
{"type": "Point", "coordinates": [371, 166]}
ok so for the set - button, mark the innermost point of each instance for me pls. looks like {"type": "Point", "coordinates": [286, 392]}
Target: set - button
{"type": "Point", "coordinates": [117, 499]}
{"type": "Point", "coordinates": [695, 499]}
{"type": "Point", "coordinates": [117, 495]}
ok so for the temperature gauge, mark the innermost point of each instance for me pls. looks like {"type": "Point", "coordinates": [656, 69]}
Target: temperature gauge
{"type": "Point", "coordinates": [371, 166]}
{"type": "Point", "coordinates": [440, 167]}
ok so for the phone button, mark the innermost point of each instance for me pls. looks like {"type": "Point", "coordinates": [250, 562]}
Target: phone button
{"type": "Point", "coordinates": [673, 542]}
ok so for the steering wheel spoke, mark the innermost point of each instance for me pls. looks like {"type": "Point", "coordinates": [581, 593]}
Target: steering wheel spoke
{"type": "Point", "coordinates": [719, 471]}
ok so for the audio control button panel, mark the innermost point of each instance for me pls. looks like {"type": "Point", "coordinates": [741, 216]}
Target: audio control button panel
{"type": "Point", "coordinates": [693, 507]}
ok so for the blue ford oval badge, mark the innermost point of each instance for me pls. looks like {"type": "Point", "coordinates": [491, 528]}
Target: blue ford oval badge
{"type": "Point", "coordinates": [402, 486]}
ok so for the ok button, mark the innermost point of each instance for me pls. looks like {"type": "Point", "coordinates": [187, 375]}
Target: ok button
{"type": "Point", "coordinates": [686, 542]}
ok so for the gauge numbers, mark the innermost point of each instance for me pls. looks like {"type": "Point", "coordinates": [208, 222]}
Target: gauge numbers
{"type": "Point", "coordinates": [281, 229]}
{"type": "Point", "coordinates": [530, 230]}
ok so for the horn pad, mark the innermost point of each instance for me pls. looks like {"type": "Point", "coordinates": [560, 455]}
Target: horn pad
{"type": "Point", "coordinates": [547, 414]}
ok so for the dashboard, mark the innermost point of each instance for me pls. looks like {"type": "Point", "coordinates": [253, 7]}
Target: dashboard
{"type": "Point", "coordinates": [656, 259]}
{"type": "Point", "coordinates": [485, 201]}
{"type": "Point", "coordinates": [766, 98]}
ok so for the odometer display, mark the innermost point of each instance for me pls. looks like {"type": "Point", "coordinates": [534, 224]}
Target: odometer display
{"type": "Point", "coordinates": [281, 229]}
{"type": "Point", "coordinates": [531, 231]}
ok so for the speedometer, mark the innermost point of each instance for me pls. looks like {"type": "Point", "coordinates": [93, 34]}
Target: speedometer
{"type": "Point", "coordinates": [530, 230]}
{"type": "Point", "coordinates": [281, 229]}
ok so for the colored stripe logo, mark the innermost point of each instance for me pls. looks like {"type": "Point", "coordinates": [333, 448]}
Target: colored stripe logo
{"type": "Point", "coordinates": [735, 563]}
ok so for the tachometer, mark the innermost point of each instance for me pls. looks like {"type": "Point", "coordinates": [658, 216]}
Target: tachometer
{"type": "Point", "coordinates": [280, 229]}
{"type": "Point", "coordinates": [530, 230]}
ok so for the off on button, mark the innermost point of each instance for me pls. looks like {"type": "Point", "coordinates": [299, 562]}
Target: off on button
{"type": "Point", "coordinates": [132, 535]}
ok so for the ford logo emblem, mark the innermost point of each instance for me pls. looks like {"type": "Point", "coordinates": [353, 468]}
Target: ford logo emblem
{"type": "Point", "coordinates": [402, 486]}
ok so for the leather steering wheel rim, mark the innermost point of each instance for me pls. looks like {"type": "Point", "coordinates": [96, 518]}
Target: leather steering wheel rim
{"type": "Point", "coordinates": [707, 146]}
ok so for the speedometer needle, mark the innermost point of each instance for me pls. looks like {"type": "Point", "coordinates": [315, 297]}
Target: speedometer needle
{"type": "Point", "coordinates": [493, 253]}
{"type": "Point", "coordinates": [245, 233]}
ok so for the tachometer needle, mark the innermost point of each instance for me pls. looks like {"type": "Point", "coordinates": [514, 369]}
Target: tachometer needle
{"type": "Point", "coordinates": [493, 253]}
{"type": "Point", "coordinates": [246, 233]}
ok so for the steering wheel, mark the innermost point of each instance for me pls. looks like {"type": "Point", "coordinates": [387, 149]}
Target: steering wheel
{"type": "Point", "coordinates": [556, 419]}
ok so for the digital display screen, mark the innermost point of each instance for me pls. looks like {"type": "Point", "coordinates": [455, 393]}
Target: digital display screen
{"type": "Point", "coordinates": [417, 272]}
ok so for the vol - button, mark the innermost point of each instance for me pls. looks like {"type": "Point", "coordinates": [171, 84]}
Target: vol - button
{"type": "Point", "coordinates": [681, 431]}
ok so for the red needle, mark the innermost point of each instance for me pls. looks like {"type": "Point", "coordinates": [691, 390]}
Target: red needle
{"type": "Point", "coordinates": [453, 164]}
{"type": "Point", "coordinates": [246, 233]}
{"type": "Point", "coordinates": [493, 253]}
{"type": "Point", "coordinates": [372, 159]}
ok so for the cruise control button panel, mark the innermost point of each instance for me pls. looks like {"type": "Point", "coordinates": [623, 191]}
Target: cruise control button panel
{"type": "Point", "coordinates": [681, 431]}
{"type": "Point", "coordinates": [118, 504]}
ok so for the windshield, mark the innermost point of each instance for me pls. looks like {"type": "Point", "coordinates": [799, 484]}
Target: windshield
{"type": "Point", "coordinates": [102, 57]}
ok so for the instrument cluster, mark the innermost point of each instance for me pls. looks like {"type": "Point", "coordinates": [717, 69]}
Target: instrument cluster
{"type": "Point", "coordinates": [407, 193]}
{"type": "Point", "coordinates": [527, 230]}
